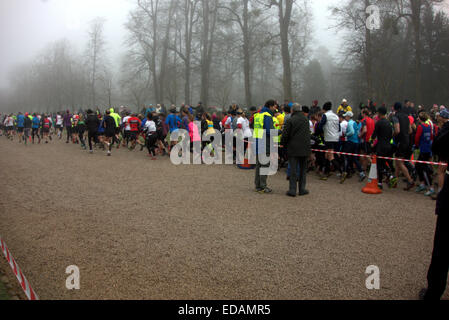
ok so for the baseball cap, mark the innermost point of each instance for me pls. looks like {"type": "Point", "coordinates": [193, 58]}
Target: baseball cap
{"type": "Point", "coordinates": [348, 114]}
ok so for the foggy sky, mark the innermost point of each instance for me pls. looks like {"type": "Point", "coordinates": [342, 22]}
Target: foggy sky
{"type": "Point", "coordinates": [28, 26]}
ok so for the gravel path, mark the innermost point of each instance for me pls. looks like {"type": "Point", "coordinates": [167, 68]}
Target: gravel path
{"type": "Point", "coordinates": [142, 229]}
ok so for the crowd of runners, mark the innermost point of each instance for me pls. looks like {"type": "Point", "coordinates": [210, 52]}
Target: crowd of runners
{"type": "Point", "coordinates": [402, 132]}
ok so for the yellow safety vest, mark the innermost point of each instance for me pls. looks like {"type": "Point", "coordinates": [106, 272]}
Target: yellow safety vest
{"type": "Point", "coordinates": [258, 124]}
{"type": "Point", "coordinates": [277, 126]}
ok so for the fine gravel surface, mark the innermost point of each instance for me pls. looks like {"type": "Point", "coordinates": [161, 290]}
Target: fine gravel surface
{"type": "Point", "coordinates": [142, 229]}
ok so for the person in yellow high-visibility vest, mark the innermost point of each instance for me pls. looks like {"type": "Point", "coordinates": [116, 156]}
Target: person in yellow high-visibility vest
{"type": "Point", "coordinates": [117, 120]}
{"type": "Point", "coordinates": [276, 126]}
{"type": "Point", "coordinates": [263, 123]}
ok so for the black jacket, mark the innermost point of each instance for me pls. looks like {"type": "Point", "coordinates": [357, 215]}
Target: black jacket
{"type": "Point", "coordinates": [296, 136]}
{"type": "Point", "coordinates": [440, 145]}
{"type": "Point", "coordinates": [92, 123]}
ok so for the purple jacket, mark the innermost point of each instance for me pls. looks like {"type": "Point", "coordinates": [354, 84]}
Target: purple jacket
{"type": "Point", "coordinates": [67, 120]}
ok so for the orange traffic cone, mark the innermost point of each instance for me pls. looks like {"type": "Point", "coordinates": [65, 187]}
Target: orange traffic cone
{"type": "Point", "coordinates": [246, 165]}
{"type": "Point", "coordinates": [372, 187]}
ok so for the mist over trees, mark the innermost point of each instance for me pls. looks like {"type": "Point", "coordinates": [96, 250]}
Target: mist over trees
{"type": "Point", "coordinates": [224, 51]}
{"type": "Point", "coordinates": [408, 57]}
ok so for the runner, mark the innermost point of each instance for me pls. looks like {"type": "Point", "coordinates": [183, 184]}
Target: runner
{"type": "Point", "coordinates": [351, 146]}
{"type": "Point", "coordinates": [81, 128]}
{"type": "Point", "coordinates": [117, 119]}
{"type": "Point", "coordinates": [67, 121]}
{"type": "Point", "coordinates": [161, 136]}
{"type": "Point", "coordinates": [365, 136]}
{"type": "Point", "coordinates": [151, 136]}
{"type": "Point", "coordinates": [74, 130]}
{"type": "Point", "coordinates": [330, 127]}
{"type": "Point", "coordinates": [59, 125]}
{"type": "Point", "coordinates": [20, 126]}
{"type": "Point", "coordinates": [35, 127]}
{"type": "Point", "coordinates": [100, 131]}
{"type": "Point", "coordinates": [45, 125]}
{"type": "Point", "coordinates": [27, 123]}
{"type": "Point", "coordinates": [402, 131]}
{"type": "Point", "coordinates": [174, 123]}
{"type": "Point", "coordinates": [126, 129]}
{"type": "Point", "coordinates": [383, 133]}
{"type": "Point", "coordinates": [9, 125]}
{"type": "Point", "coordinates": [92, 124]}
{"type": "Point", "coordinates": [134, 125]}
{"type": "Point", "coordinates": [423, 140]}
{"type": "Point", "coordinates": [110, 127]}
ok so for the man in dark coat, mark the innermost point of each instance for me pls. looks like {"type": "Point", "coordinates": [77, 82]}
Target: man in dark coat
{"type": "Point", "coordinates": [437, 273]}
{"type": "Point", "coordinates": [296, 138]}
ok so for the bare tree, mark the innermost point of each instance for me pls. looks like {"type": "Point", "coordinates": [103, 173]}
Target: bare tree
{"type": "Point", "coordinates": [209, 15]}
{"type": "Point", "coordinates": [95, 53]}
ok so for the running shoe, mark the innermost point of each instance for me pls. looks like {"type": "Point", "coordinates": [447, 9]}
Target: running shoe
{"type": "Point", "coordinates": [430, 193]}
{"type": "Point", "coordinates": [265, 191]}
{"type": "Point", "coordinates": [362, 177]}
{"type": "Point", "coordinates": [109, 153]}
{"type": "Point", "coordinates": [409, 186]}
{"type": "Point", "coordinates": [393, 183]}
{"type": "Point", "coordinates": [343, 177]}
{"type": "Point", "coordinates": [420, 189]}
{"type": "Point", "coordinates": [326, 176]}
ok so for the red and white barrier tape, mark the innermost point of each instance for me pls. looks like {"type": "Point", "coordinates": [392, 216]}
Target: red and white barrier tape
{"type": "Point", "coordinates": [380, 157]}
{"type": "Point", "coordinates": [29, 292]}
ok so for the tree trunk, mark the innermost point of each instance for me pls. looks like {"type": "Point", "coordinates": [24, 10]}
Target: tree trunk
{"type": "Point", "coordinates": [188, 14]}
{"type": "Point", "coordinates": [207, 46]}
{"type": "Point", "coordinates": [368, 59]}
{"type": "Point", "coordinates": [284, 24]}
{"type": "Point", "coordinates": [416, 22]}
{"type": "Point", "coordinates": [164, 59]}
{"type": "Point", "coordinates": [246, 55]}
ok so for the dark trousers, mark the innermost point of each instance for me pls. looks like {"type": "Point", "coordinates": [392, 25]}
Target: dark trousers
{"type": "Point", "coordinates": [297, 179]}
{"type": "Point", "coordinates": [261, 180]}
{"type": "Point", "coordinates": [425, 171]}
{"type": "Point", "coordinates": [384, 166]}
{"type": "Point", "coordinates": [81, 136]}
{"type": "Point", "coordinates": [69, 132]}
{"type": "Point", "coordinates": [151, 144]}
{"type": "Point", "coordinates": [351, 147]}
{"type": "Point", "coordinates": [35, 132]}
{"type": "Point", "coordinates": [92, 136]}
{"type": "Point", "coordinates": [438, 270]}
